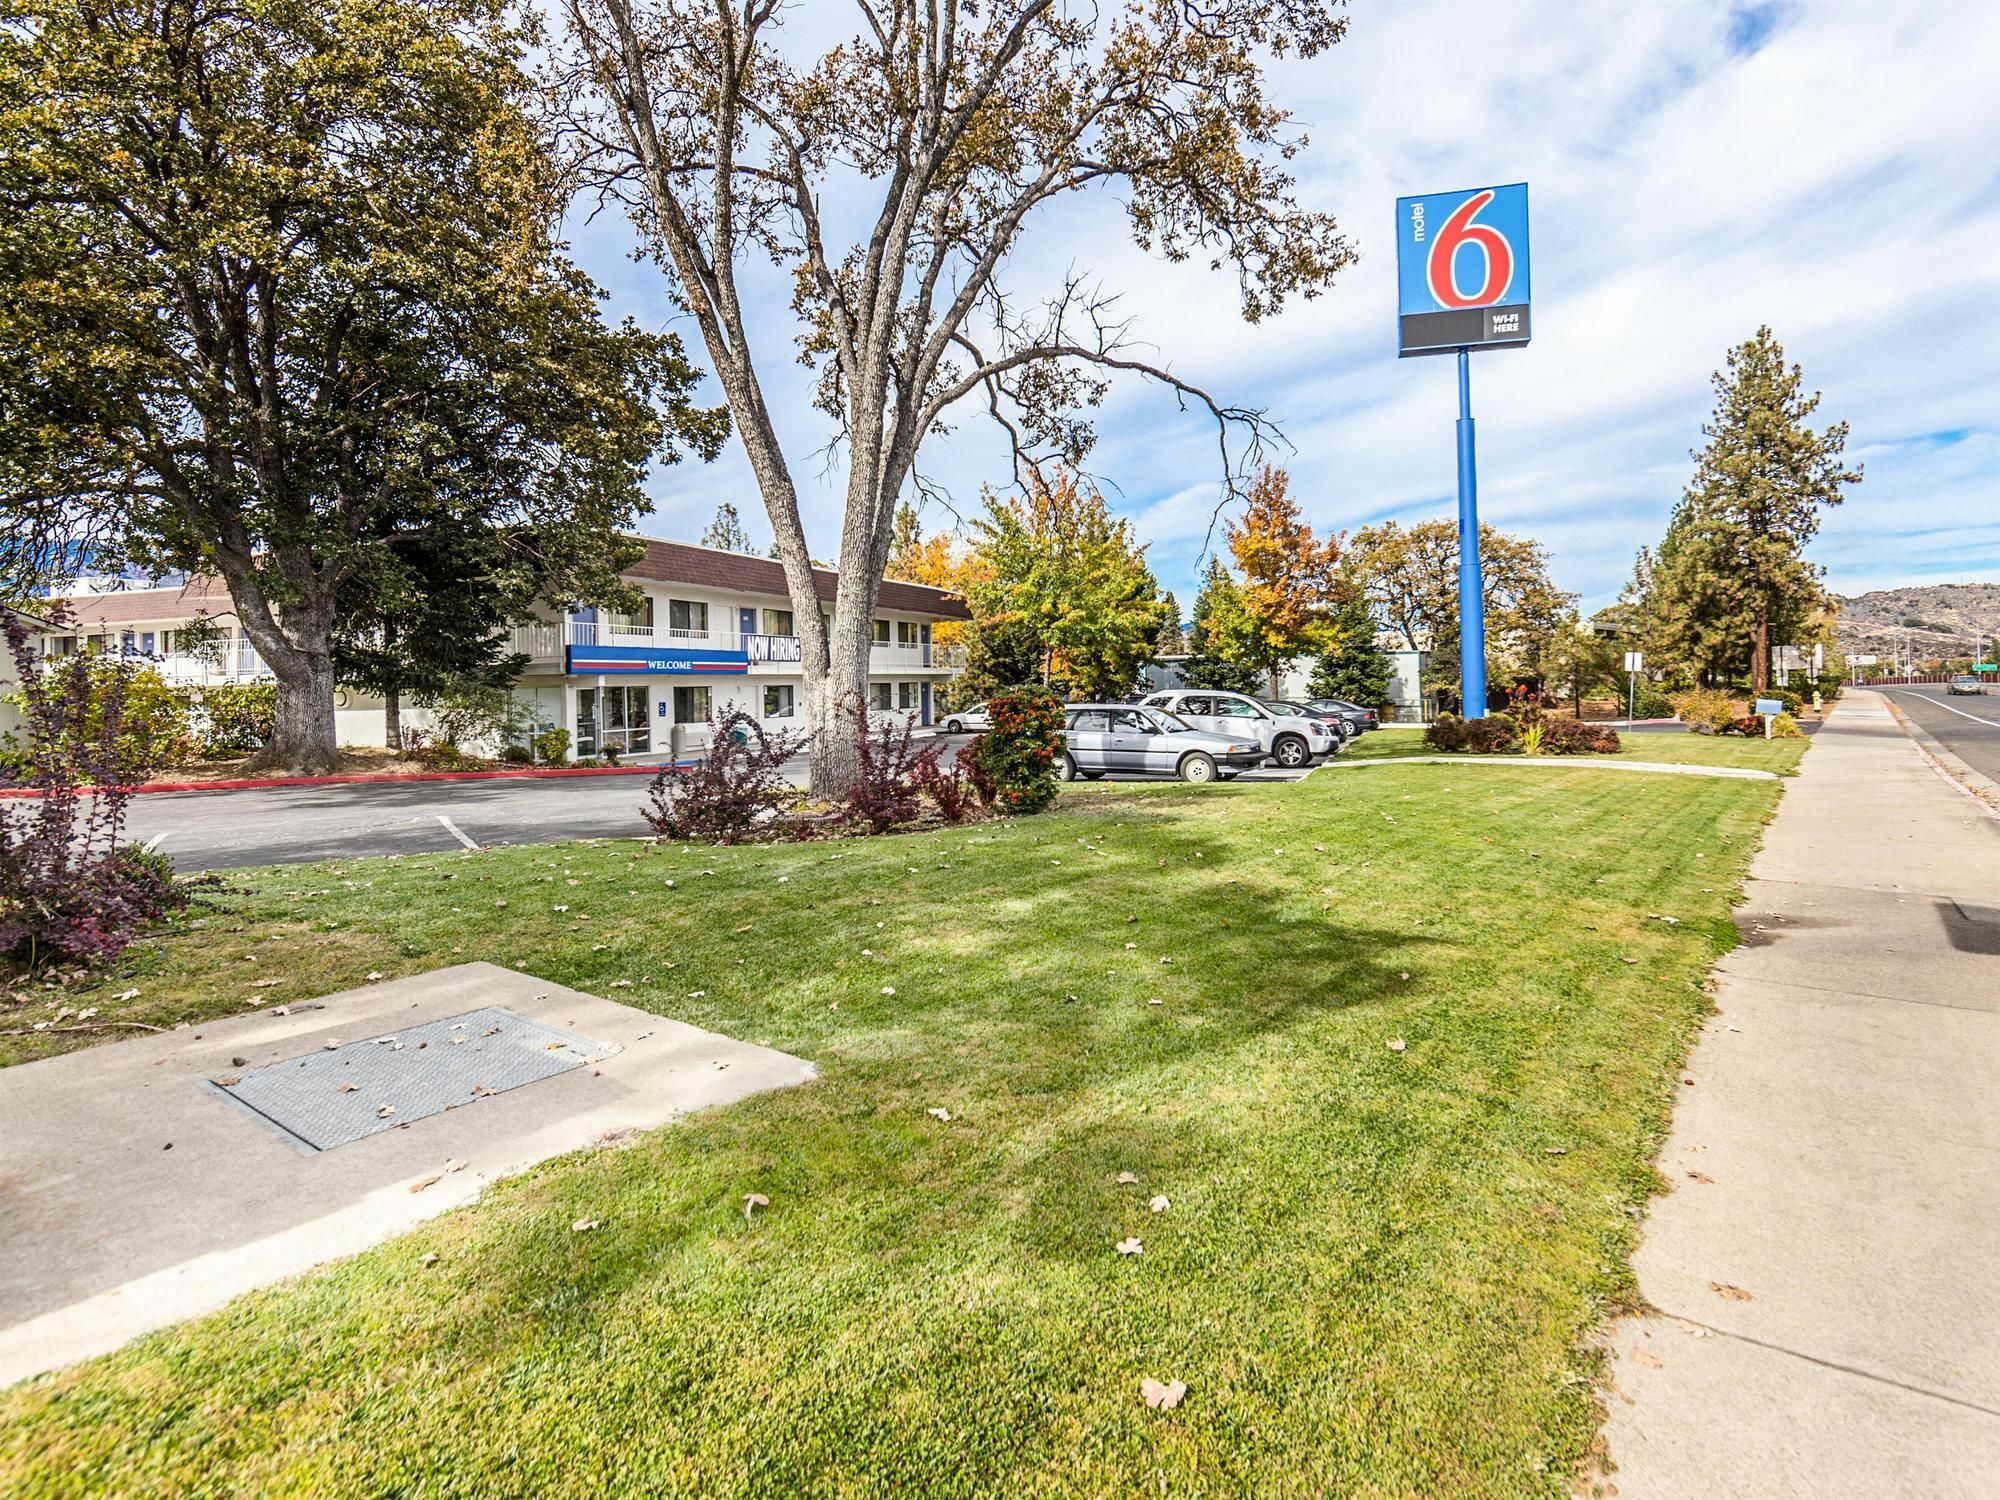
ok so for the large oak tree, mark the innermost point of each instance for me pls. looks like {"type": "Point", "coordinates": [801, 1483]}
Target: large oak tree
{"type": "Point", "coordinates": [279, 289]}
{"type": "Point", "coordinates": [941, 129]}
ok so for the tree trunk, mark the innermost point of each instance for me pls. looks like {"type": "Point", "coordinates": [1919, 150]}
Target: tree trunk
{"type": "Point", "coordinates": [1275, 684]}
{"type": "Point", "coordinates": [834, 758]}
{"type": "Point", "coordinates": [1760, 654]}
{"type": "Point", "coordinates": [392, 719]}
{"type": "Point", "coordinates": [303, 740]}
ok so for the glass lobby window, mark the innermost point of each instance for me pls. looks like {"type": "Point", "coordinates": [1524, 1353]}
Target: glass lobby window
{"type": "Point", "coordinates": [616, 719]}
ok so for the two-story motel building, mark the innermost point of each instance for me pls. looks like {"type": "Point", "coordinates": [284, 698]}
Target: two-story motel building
{"type": "Point", "coordinates": [715, 629]}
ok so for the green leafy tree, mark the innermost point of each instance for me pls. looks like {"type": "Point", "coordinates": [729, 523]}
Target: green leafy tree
{"type": "Point", "coordinates": [1577, 663]}
{"type": "Point", "coordinates": [1730, 579]}
{"type": "Point", "coordinates": [1063, 590]}
{"type": "Point", "coordinates": [1173, 639]}
{"type": "Point", "coordinates": [892, 164]}
{"type": "Point", "coordinates": [279, 287]}
{"type": "Point", "coordinates": [1410, 576]}
{"type": "Point", "coordinates": [1221, 642]}
{"type": "Point", "coordinates": [726, 533]}
{"type": "Point", "coordinates": [1353, 667]}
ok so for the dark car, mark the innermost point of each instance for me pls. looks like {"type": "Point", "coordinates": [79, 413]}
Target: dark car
{"type": "Point", "coordinates": [1350, 713]}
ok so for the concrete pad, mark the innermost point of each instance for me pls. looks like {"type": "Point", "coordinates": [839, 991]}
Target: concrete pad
{"type": "Point", "coordinates": [1832, 1230]}
{"type": "Point", "coordinates": [1776, 1427]}
{"type": "Point", "coordinates": [135, 1195]}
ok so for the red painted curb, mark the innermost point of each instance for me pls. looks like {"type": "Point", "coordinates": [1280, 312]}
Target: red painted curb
{"type": "Point", "coordinates": [538, 773]}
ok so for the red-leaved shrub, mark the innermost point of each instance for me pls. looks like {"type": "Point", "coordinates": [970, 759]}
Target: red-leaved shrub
{"type": "Point", "coordinates": [732, 790]}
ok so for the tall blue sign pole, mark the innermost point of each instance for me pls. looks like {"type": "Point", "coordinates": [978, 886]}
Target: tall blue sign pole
{"type": "Point", "coordinates": [1471, 590]}
{"type": "Point", "coordinates": [1462, 284]}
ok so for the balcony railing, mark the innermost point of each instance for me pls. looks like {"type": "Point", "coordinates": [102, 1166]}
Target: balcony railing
{"type": "Point", "coordinates": [544, 642]}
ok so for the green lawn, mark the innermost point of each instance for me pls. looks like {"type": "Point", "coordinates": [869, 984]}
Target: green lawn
{"type": "Point", "coordinates": [1671, 747]}
{"type": "Point", "coordinates": [1378, 1275]}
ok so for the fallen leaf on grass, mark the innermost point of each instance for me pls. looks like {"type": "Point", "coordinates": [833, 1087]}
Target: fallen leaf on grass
{"type": "Point", "coordinates": [1733, 1293]}
{"type": "Point", "coordinates": [583, 1226]}
{"type": "Point", "coordinates": [126, 995]}
{"type": "Point", "coordinates": [1132, 1246]}
{"type": "Point", "coordinates": [429, 1258]}
{"type": "Point", "coordinates": [374, 974]}
{"type": "Point", "coordinates": [888, 989]}
{"type": "Point", "coordinates": [1160, 1397]}
{"type": "Point", "coordinates": [1160, 1204]}
{"type": "Point", "coordinates": [1126, 1178]}
{"type": "Point", "coordinates": [752, 1202]}
{"type": "Point", "coordinates": [1397, 1044]}
{"type": "Point", "coordinates": [621, 984]}
{"type": "Point", "coordinates": [939, 1114]}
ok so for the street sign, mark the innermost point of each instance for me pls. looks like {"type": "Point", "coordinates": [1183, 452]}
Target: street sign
{"type": "Point", "coordinates": [1635, 661]}
{"type": "Point", "coordinates": [1462, 270]}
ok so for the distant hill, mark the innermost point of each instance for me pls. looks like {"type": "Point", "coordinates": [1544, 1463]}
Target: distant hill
{"type": "Point", "coordinates": [1935, 619]}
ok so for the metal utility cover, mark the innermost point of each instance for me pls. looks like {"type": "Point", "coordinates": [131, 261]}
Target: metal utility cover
{"type": "Point", "coordinates": [414, 1074]}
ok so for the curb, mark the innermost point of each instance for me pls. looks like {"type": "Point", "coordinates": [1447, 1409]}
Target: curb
{"type": "Point", "coordinates": [1981, 789]}
{"type": "Point", "coordinates": [266, 783]}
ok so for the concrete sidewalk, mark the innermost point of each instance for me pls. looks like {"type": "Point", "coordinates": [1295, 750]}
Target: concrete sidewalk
{"type": "Point", "coordinates": [1826, 1269]}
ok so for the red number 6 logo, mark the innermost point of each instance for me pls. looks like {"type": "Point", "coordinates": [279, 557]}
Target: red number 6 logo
{"type": "Point", "coordinates": [1460, 230]}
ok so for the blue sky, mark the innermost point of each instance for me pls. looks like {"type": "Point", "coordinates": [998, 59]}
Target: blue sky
{"type": "Point", "coordinates": [1694, 170]}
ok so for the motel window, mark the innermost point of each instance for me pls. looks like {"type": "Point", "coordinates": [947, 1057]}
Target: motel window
{"type": "Point", "coordinates": [906, 632]}
{"type": "Point", "coordinates": [906, 695]}
{"type": "Point", "coordinates": [778, 622]}
{"type": "Point", "coordinates": [690, 705]}
{"type": "Point", "coordinates": [881, 632]}
{"type": "Point", "coordinates": [779, 700]}
{"type": "Point", "coordinates": [687, 617]}
{"type": "Point", "coordinates": [878, 696]}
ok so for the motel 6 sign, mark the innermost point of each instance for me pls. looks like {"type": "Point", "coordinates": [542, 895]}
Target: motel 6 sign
{"type": "Point", "coordinates": [1462, 270]}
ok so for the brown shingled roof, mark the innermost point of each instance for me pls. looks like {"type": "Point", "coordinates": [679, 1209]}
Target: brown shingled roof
{"type": "Point", "coordinates": [198, 596]}
{"type": "Point", "coordinates": [706, 567]}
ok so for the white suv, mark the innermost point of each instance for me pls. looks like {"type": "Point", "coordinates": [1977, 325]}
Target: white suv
{"type": "Point", "coordinates": [1289, 739]}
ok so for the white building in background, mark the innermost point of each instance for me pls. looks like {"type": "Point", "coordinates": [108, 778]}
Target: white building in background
{"type": "Point", "coordinates": [715, 629]}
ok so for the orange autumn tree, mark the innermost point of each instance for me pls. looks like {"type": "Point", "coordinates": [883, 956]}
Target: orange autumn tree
{"type": "Point", "coordinates": [1291, 581]}
{"type": "Point", "coordinates": [942, 560]}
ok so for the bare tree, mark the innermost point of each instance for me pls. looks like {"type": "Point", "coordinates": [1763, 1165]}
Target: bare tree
{"type": "Point", "coordinates": [941, 126]}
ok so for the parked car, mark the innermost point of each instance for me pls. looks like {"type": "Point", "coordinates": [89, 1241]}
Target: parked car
{"type": "Point", "coordinates": [1102, 737]}
{"type": "Point", "coordinates": [1965, 683]}
{"type": "Point", "coordinates": [967, 720]}
{"type": "Point", "coordinates": [1288, 739]}
{"type": "Point", "coordinates": [1350, 713]}
{"type": "Point", "coordinates": [1337, 722]}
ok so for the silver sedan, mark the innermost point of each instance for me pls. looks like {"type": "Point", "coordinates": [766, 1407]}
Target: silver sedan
{"type": "Point", "coordinates": [1104, 737]}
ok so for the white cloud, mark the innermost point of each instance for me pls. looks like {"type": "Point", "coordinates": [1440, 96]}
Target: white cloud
{"type": "Point", "coordinates": [1834, 180]}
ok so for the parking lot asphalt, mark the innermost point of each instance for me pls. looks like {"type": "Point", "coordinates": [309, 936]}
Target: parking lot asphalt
{"type": "Point", "coordinates": [1968, 726]}
{"type": "Point", "coordinates": [290, 825]}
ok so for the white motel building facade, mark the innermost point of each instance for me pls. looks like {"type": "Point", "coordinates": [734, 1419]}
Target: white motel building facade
{"type": "Point", "coordinates": [714, 630]}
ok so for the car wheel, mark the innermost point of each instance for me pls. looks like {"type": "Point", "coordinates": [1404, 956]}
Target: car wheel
{"type": "Point", "coordinates": [954, 726]}
{"type": "Point", "coordinates": [1198, 766]}
{"type": "Point", "coordinates": [1291, 752]}
{"type": "Point", "coordinates": [1066, 768]}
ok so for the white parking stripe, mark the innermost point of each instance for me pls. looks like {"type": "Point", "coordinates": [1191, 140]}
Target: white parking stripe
{"type": "Point", "coordinates": [1940, 703]}
{"type": "Point", "coordinates": [458, 833]}
{"type": "Point", "coordinates": [155, 841]}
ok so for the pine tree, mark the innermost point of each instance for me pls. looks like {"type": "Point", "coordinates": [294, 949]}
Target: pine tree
{"type": "Point", "coordinates": [1731, 575]}
{"type": "Point", "coordinates": [1173, 639]}
{"type": "Point", "coordinates": [1222, 631]}
{"type": "Point", "coordinates": [905, 543]}
{"type": "Point", "coordinates": [725, 533]}
{"type": "Point", "coordinates": [1353, 667]}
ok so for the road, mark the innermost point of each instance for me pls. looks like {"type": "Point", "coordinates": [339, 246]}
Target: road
{"type": "Point", "coordinates": [1969, 727]}
{"type": "Point", "coordinates": [290, 825]}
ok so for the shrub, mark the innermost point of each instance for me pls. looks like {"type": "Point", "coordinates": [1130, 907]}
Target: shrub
{"type": "Point", "coordinates": [1021, 749]}
{"type": "Point", "coordinates": [516, 755]}
{"type": "Point", "coordinates": [952, 787]}
{"type": "Point", "coordinates": [1648, 702]}
{"type": "Point", "coordinates": [234, 718]}
{"type": "Point", "coordinates": [737, 787]}
{"type": "Point", "coordinates": [466, 710]}
{"type": "Point", "coordinates": [1493, 735]}
{"type": "Point", "coordinates": [1751, 726]}
{"type": "Point", "coordinates": [1563, 736]}
{"type": "Point", "coordinates": [551, 746]}
{"type": "Point", "coordinates": [1446, 732]}
{"type": "Point", "coordinates": [1785, 727]}
{"type": "Point", "coordinates": [1533, 737]}
{"type": "Point", "coordinates": [69, 890]}
{"type": "Point", "coordinates": [1704, 710]}
{"type": "Point", "coordinates": [889, 771]}
{"type": "Point", "coordinates": [444, 757]}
